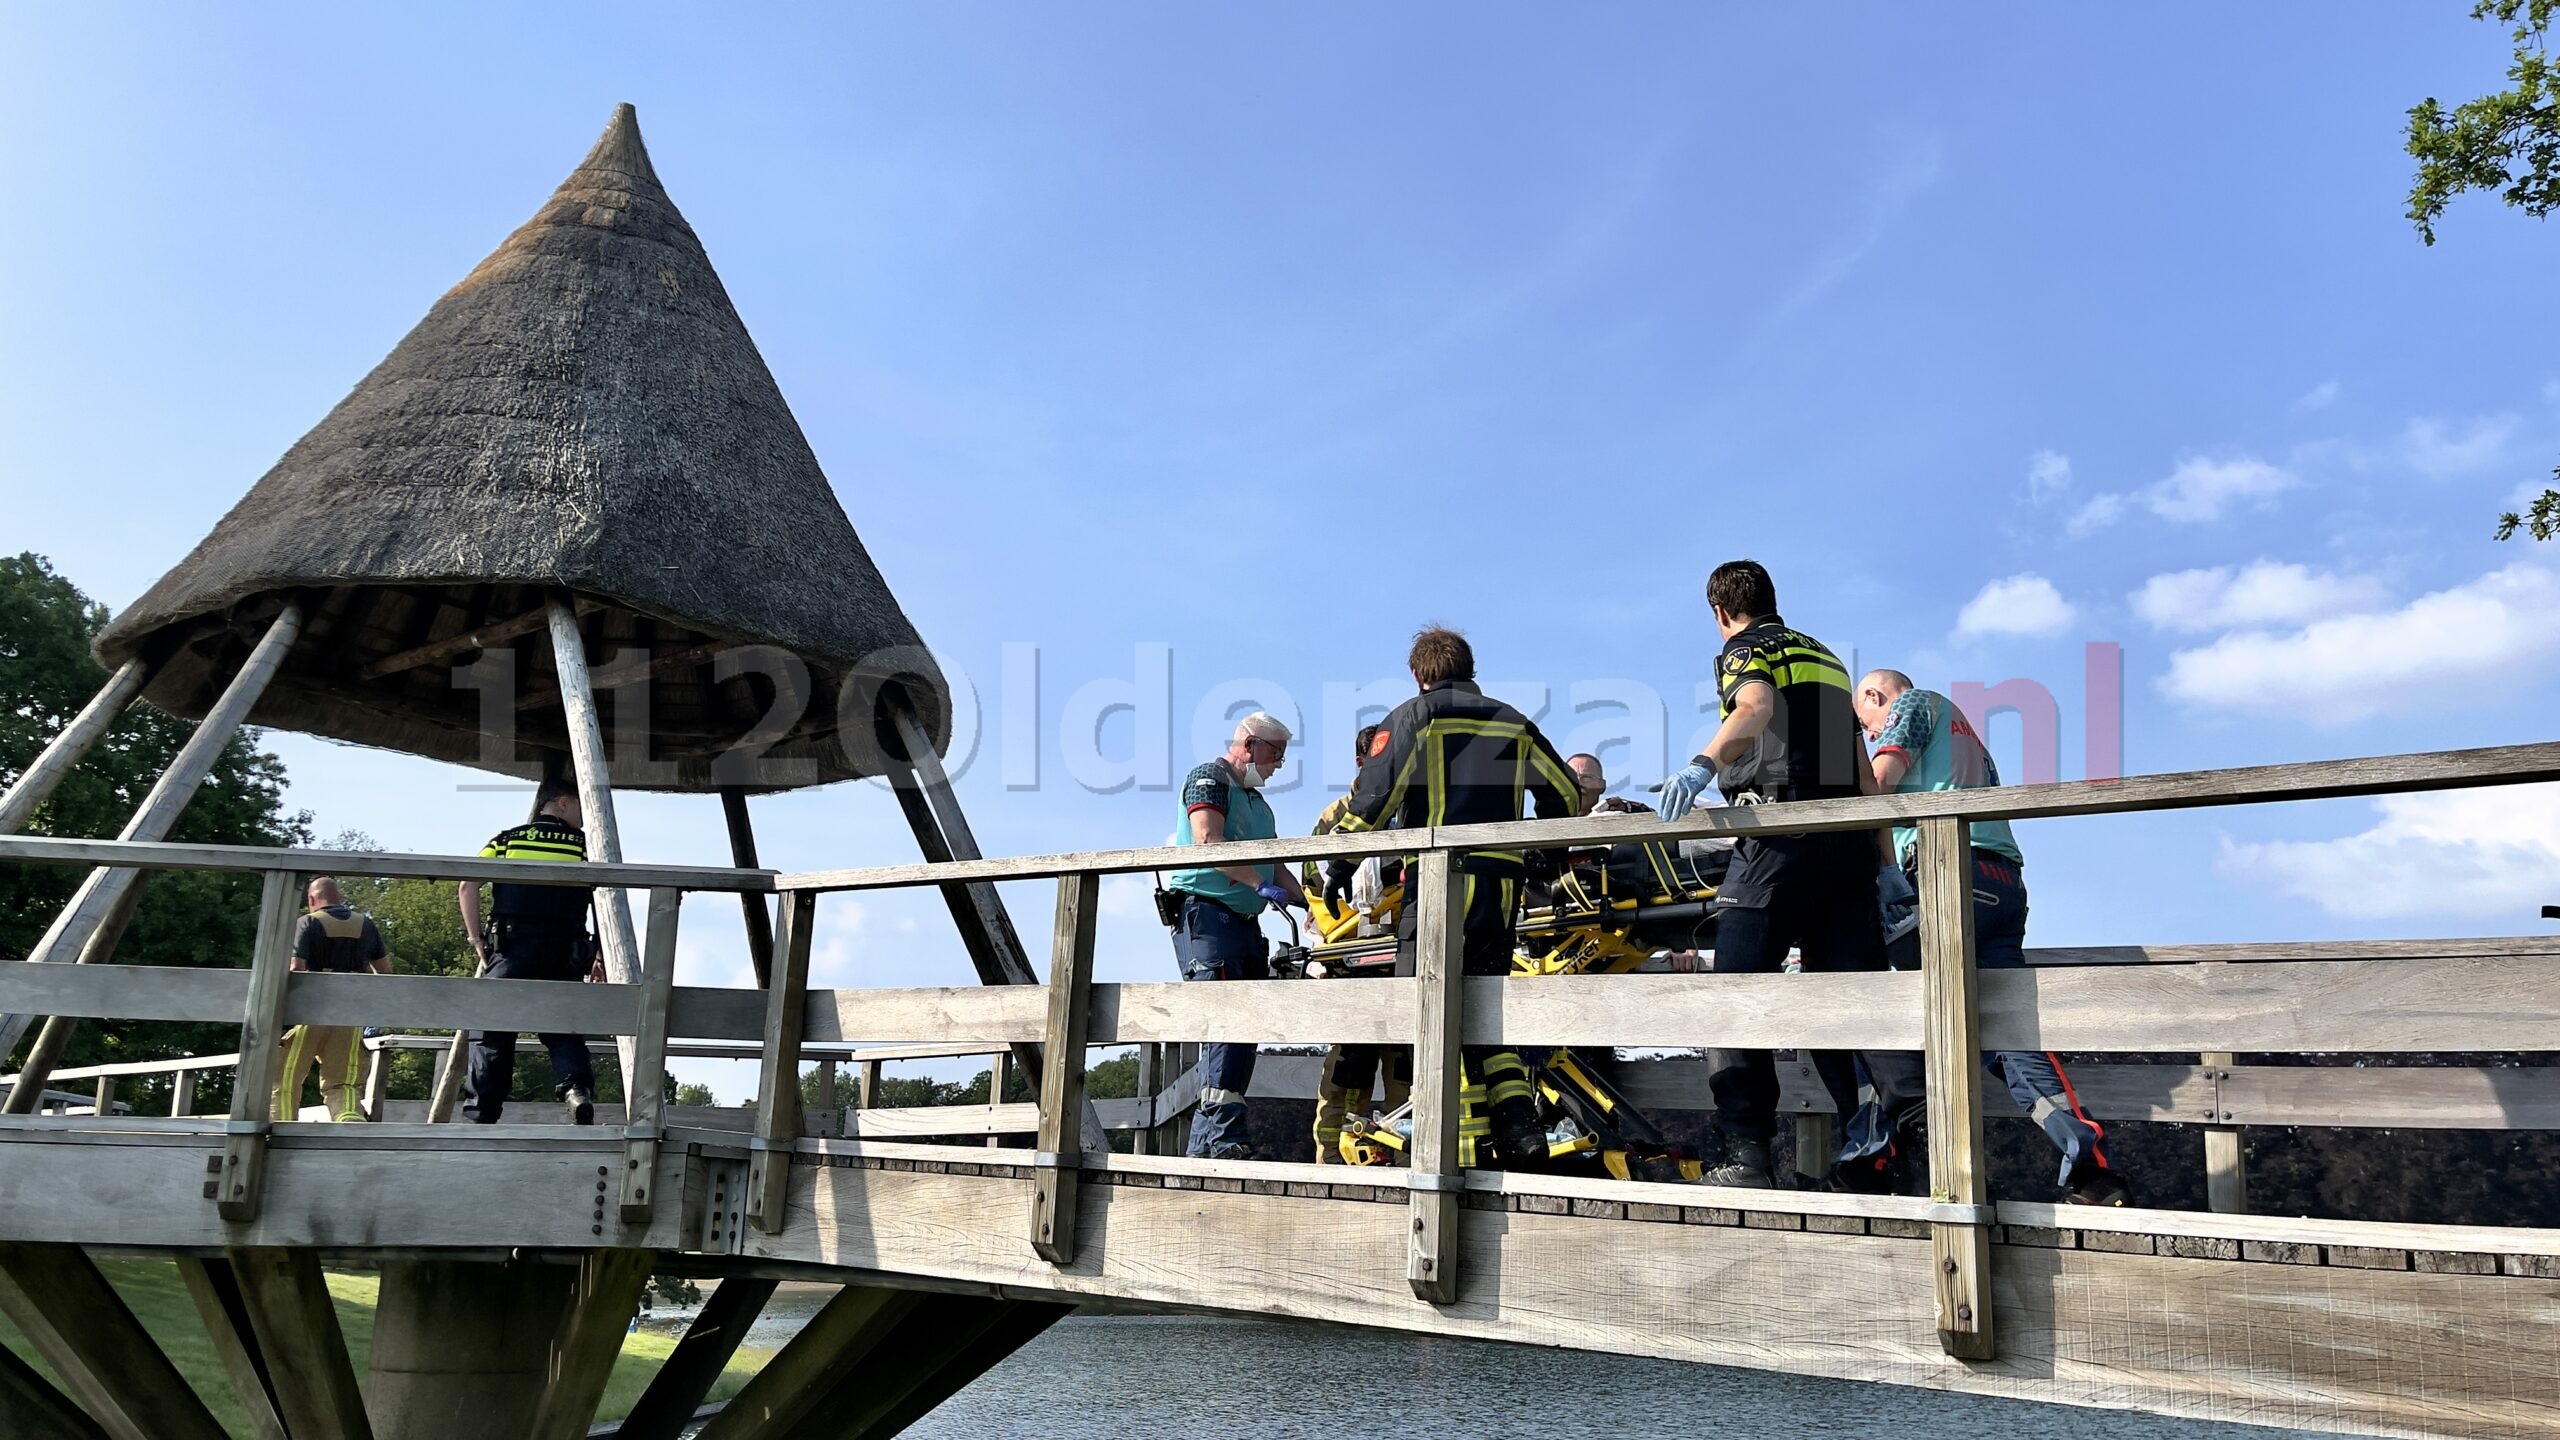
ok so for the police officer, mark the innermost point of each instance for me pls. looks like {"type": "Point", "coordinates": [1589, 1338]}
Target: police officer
{"type": "Point", "coordinates": [331, 939]}
{"type": "Point", "coordinates": [1789, 732]}
{"type": "Point", "coordinates": [1455, 756]}
{"type": "Point", "coordinates": [539, 933]}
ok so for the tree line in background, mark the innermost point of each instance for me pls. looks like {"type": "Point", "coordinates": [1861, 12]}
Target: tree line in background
{"type": "Point", "coordinates": [2507, 141]}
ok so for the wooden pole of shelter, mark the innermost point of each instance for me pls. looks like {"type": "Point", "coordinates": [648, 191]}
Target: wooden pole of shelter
{"type": "Point", "coordinates": [742, 853]}
{"type": "Point", "coordinates": [1959, 1177]}
{"type": "Point", "coordinates": [105, 889]}
{"type": "Point", "coordinates": [67, 749]}
{"type": "Point", "coordinates": [54, 1036]}
{"type": "Point", "coordinates": [1431, 1257]}
{"type": "Point", "coordinates": [644, 1090]}
{"type": "Point", "coordinates": [595, 798]}
{"type": "Point", "coordinates": [986, 928]}
{"type": "Point", "coordinates": [777, 1132]}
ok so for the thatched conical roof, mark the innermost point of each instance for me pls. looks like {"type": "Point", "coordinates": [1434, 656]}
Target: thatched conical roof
{"type": "Point", "coordinates": [584, 413]}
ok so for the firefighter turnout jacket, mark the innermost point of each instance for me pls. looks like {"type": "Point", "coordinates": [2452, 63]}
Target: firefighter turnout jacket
{"type": "Point", "coordinates": [336, 940]}
{"type": "Point", "coordinates": [1456, 756]}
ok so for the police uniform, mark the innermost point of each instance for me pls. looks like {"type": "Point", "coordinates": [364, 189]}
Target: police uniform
{"type": "Point", "coordinates": [537, 932]}
{"type": "Point", "coordinates": [1458, 757]}
{"type": "Point", "coordinates": [332, 941]}
{"type": "Point", "coordinates": [1812, 893]}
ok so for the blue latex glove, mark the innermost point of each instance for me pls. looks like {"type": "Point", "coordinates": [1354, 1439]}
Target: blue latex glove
{"type": "Point", "coordinates": [1270, 890]}
{"type": "Point", "coordinates": [1680, 793]}
{"type": "Point", "coordinates": [1894, 895]}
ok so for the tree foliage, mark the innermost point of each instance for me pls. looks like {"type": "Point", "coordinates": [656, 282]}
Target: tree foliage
{"type": "Point", "coordinates": [2509, 142]}
{"type": "Point", "coordinates": [184, 918]}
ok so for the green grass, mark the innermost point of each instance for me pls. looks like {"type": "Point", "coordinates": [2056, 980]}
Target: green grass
{"type": "Point", "coordinates": [159, 1300]}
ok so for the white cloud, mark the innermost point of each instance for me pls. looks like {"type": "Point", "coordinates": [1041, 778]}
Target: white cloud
{"type": "Point", "coordinates": [2318, 397]}
{"type": "Point", "coordinates": [2488, 854]}
{"type": "Point", "coordinates": [2260, 593]}
{"type": "Point", "coordinates": [2345, 668]}
{"type": "Point", "coordinates": [2198, 490]}
{"type": "Point", "coordinates": [2048, 475]}
{"type": "Point", "coordinates": [2101, 512]}
{"type": "Point", "coordinates": [2019, 605]}
{"type": "Point", "coordinates": [2436, 451]}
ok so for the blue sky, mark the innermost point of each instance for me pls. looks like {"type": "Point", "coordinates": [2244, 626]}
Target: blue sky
{"type": "Point", "coordinates": [1265, 338]}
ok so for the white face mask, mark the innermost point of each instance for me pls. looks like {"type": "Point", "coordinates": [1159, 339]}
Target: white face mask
{"type": "Point", "coordinates": [1249, 776]}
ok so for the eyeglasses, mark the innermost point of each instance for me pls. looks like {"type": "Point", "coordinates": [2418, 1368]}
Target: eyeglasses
{"type": "Point", "coordinates": [1277, 750]}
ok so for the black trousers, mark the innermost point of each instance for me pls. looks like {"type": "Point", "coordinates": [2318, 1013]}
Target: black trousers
{"type": "Point", "coordinates": [529, 954]}
{"type": "Point", "coordinates": [1827, 912]}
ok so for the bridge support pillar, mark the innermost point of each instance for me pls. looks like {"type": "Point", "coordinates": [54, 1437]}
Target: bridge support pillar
{"type": "Point", "coordinates": [216, 1293]}
{"type": "Point", "coordinates": [313, 1381]}
{"type": "Point", "coordinates": [679, 1387]}
{"type": "Point", "coordinates": [1431, 1254]}
{"type": "Point", "coordinates": [1960, 1243]}
{"type": "Point", "coordinates": [460, 1347]}
{"type": "Point", "coordinates": [949, 1341]}
{"type": "Point", "coordinates": [35, 1409]}
{"type": "Point", "coordinates": [582, 1352]}
{"type": "Point", "coordinates": [107, 1361]}
{"type": "Point", "coordinates": [835, 1342]}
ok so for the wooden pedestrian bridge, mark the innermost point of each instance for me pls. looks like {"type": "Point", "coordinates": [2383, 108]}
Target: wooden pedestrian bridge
{"type": "Point", "coordinates": [512, 1255]}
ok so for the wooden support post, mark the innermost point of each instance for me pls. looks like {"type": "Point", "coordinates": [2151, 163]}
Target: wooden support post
{"type": "Point", "coordinates": [1952, 1027]}
{"type": "Point", "coordinates": [105, 1359]}
{"type": "Point", "coordinates": [595, 800]}
{"type": "Point", "coordinates": [582, 1353]}
{"type": "Point", "coordinates": [102, 892]}
{"type": "Point", "coordinates": [2226, 1165]}
{"type": "Point", "coordinates": [742, 853]}
{"type": "Point", "coordinates": [244, 1142]}
{"type": "Point", "coordinates": [216, 1293]}
{"type": "Point", "coordinates": [1431, 1260]}
{"type": "Point", "coordinates": [450, 1070]}
{"type": "Point", "coordinates": [678, 1389]}
{"type": "Point", "coordinates": [1816, 1146]}
{"type": "Point", "coordinates": [777, 1131]}
{"type": "Point", "coordinates": [1142, 1139]}
{"type": "Point", "coordinates": [182, 1094]}
{"type": "Point", "coordinates": [377, 1081]}
{"type": "Point", "coordinates": [105, 1104]}
{"type": "Point", "coordinates": [644, 1089]}
{"type": "Point", "coordinates": [69, 746]}
{"type": "Point", "coordinates": [55, 1034]}
{"type": "Point", "coordinates": [835, 1340]}
{"type": "Point", "coordinates": [1059, 1149]}
{"type": "Point", "coordinates": [866, 1092]}
{"type": "Point", "coordinates": [995, 1088]}
{"type": "Point", "coordinates": [948, 1369]}
{"type": "Point", "coordinates": [314, 1380]}
{"type": "Point", "coordinates": [37, 1411]}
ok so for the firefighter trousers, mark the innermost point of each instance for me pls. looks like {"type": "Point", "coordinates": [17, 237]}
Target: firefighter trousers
{"type": "Point", "coordinates": [334, 1049]}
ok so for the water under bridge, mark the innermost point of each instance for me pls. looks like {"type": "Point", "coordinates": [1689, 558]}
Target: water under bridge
{"type": "Point", "coordinates": [512, 1255]}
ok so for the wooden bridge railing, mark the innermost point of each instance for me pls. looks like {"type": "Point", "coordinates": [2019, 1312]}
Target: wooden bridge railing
{"type": "Point", "coordinates": [2485, 999]}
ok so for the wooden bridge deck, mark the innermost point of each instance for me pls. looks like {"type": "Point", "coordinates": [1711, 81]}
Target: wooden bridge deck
{"type": "Point", "coordinates": [952, 1254]}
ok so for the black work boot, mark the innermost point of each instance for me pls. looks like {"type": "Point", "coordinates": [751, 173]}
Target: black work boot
{"type": "Point", "coordinates": [582, 1106]}
{"type": "Point", "coordinates": [1745, 1165]}
{"type": "Point", "coordinates": [2095, 1184]}
{"type": "Point", "coordinates": [1518, 1137]}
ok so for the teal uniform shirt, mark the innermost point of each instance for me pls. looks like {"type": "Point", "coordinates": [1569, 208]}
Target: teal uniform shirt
{"type": "Point", "coordinates": [1942, 752]}
{"type": "Point", "coordinates": [1212, 786]}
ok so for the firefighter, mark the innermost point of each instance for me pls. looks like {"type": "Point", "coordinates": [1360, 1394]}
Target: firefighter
{"type": "Point", "coordinates": [536, 932]}
{"type": "Point", "coordinates": [1349, 1070]}
{"type": "Point", "coordinates": [332, 939]}
{"type": "Point", "coordinates": [1789, 732]}
{"type": "Point", "coordinates": [1923, 742]}
{"type": "Point", "coordinates": [1456, 757]}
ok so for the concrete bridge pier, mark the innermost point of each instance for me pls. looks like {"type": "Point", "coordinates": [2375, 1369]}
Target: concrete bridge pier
{"type": "Point", "coordinates": [460, 1347]}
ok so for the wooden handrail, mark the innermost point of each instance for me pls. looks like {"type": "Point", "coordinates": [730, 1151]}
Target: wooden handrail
{"type": "Point", "coordinates": [259, 859]}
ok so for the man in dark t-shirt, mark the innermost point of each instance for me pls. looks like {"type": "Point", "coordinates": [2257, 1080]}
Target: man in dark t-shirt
{"type": "Point", "coordinates": [332, 939]}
